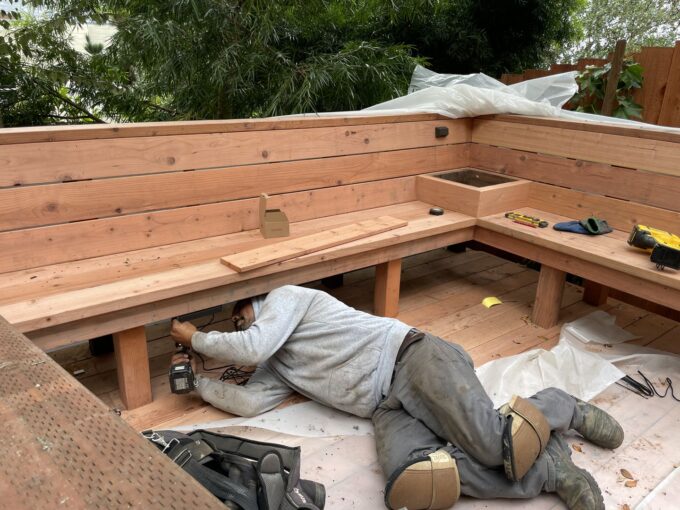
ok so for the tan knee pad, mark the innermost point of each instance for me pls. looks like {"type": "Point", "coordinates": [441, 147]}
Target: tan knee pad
{"type": "Point", "coordinates": [432, 483]}
{"type": "Point", "coordinates": [524, 438]}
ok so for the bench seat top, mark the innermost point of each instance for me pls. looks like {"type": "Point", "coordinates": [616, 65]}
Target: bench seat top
{"type": "Point", "coordinates": [63, 293]}
{"type": "Point", "coordinates": [609, 250]}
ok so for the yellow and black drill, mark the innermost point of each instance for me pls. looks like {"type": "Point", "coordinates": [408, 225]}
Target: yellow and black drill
{"type": "Point", "coordinates": [664, 246]}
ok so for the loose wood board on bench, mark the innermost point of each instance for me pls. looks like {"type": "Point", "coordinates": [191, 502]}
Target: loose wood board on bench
{"type": "Point", "coordinates": [285, 250]}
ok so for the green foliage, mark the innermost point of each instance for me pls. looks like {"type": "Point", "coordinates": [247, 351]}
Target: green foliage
{"type": "Point", "coordinates": [639, 22]}
{"type": "Point", "coordinates": [593, 83]}
{"type": "Point", "coordinates": [206, 59]}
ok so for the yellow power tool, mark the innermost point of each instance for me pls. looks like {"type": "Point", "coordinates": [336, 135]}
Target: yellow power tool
{"type": "Point", "coordinates": [664, 246]}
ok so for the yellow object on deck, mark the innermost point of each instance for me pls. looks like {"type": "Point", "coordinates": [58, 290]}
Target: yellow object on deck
{"type": "Point", "coordinates": [491, 301]}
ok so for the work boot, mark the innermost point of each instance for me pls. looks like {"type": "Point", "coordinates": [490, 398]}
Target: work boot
{"type": "Point", "coordinates": [575, 486]}
{"type": "Point", "coordinates": [599, 427]}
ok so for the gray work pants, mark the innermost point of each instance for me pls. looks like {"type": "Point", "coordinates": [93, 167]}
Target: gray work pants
{"type": "Point", "coordinates": [436, 401]}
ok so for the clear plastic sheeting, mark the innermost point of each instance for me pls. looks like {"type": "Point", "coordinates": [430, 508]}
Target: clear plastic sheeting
{"type": "Point", "coordinates": [555, 90]}
{"type": "Point", "coordinates": [598, 327]}
{"type": "Point", "coordinates": [577, 372]}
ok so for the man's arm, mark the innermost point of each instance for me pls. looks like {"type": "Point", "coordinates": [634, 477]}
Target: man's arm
{"type": "Point", "coordinates": [263, 392]}
{"type": "Point", "coordinates": [282, 311]}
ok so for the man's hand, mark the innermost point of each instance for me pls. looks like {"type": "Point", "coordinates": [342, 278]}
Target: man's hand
{"type": "Point", "coordinates": [182, 332]}
{"type": "Point", "coordinates": [182, 357]}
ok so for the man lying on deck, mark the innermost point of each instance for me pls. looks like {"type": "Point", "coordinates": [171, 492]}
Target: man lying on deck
{"type": "Point", "coordinates": [436, 430]}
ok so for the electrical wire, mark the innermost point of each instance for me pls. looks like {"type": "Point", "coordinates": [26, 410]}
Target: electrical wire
{"type": "Point", "coordinates": [646, 389]}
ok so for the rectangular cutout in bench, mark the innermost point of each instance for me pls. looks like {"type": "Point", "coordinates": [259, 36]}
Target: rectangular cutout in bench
{"type": "Point", "coordinates": [474, 177]}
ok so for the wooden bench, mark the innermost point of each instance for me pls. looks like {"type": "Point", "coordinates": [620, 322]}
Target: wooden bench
{"type": "Point", "coordinates": [625, 175]}
{"type": "Point", "coordinates": [105, 229]}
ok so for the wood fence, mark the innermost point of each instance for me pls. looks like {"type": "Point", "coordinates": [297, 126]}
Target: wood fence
{"type": "Point", "coordinates": [660, 93]}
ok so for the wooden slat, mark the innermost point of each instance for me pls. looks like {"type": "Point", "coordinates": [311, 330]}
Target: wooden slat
{"type": "Point", "coordinates": [50, 204]}
{"type": "Point", "coordinates": [129, 130]}
{"type": "Point", "coordinates": [297, 247]}
{"type": "Point", "coordinates": [91, 159]}
{"type": "Point", "coordinates": [24, 249]}
{"type": "Point", "coordinates": [594, 293]}
{"type": "Point", "coordinates": [43, 312]}
{"type": "Point", "coordinates": [638, 130]}
{"type": "Point", "coordinates": [636, 185]}
{"type": "Point", "coordinates": [92, 326]}
{"type": "Point", "coordinates": [69, 276]}
{"type": "Point", "coordinates": [620, 214]}
{"type": "Point", "coordinates": [670, 108]}
{"type": "Point", "coordinates": [630, 152]}
{"type": "Point", "coordinates": [656, 63]}
{"type": "Point", "coordinates": [386, 290]}
{"type": "Point", "coordinates": [609, 251]}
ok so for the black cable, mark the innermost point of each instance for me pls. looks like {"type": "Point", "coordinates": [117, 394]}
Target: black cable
{"type": "Point", "coordinates": [646, 389]}
{"type": "Point", "coordinates": [668, 387]}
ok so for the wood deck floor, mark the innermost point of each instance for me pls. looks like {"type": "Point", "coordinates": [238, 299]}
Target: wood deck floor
{"type": "Point", "coordinates": [441, 292]}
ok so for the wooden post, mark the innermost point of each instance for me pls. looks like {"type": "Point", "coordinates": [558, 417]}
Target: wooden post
{"type": "Point", "coordinates": [594, 293]}
{"type": "Point", "coordinates": [548, 297]}
{"type": "Point", "coordinates": [132, 361]}
{"type": "Point", "coordinates": [387, 282]}
{"type": "Point", "coordinates": [613, 78]}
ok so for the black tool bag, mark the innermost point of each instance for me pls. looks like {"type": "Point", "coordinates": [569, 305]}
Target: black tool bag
{"type": "Point", "coordinates": [244, 474]}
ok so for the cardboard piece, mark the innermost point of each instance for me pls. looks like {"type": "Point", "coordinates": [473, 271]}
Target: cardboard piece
{"type": "Point", "coordinates": [273, 222]}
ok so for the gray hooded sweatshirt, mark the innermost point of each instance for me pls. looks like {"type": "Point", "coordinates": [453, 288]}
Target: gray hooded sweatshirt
{"type": "Point", "coordinates": [308, 341]}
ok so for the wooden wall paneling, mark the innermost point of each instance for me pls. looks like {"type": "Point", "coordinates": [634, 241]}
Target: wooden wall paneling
{"type": "Point", "coordinates": [91, 159]}
{"type": "Point", "coordinates": [656, 63]}
{"type": "Point", "coordinates": [620, 214]}
{"type": "Point", "coordinates": [386, 290]}
{"type": "Point", "coordinates": [670, 108]}
{"type": "Point", "coordinates": [24, 249]}
{"type": "Point", "coordinates": [625, 183]}
{"type": "Point", "coordinates": [30, 206]}
{"type": "Point", "coordinates": [93, 326]}
{"type": "Point", "coordinates": [632, 152]}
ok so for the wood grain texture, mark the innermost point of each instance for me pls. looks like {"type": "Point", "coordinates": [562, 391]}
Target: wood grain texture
{"type": "Point", "coordinates": [628, 184]}
{"type": "Point", "coordinates": [631, 152]}
{"type": "Point", "coordinates": [657, 63]}
{"type": "Point", "coordinates": [87, 327]}
{"type": "Point", "coordinates": [25, 248]}
{"type": "Point", "coordinates": [65, 307]}
{"type": "Point", "coordinates": [546, 312]}
{"type": "Point", "coordinates": [57, 278]}
{"type": "Point", "coordinates": [92, 159]}
{"type": "Point", "coordinates": [646, 289]}
{"type": "Point", "coordinates": [670, 108]}
{"type": "Point", "coordinates": [610, 250]}
{"type": "Point", "coordinates": [469, 199]}
{"type": "Point", "coordinates": [386, 290]}
{"type": "Point", "coordinates": [132, 129]}
{"type": "Point", "coordinates": [51, 204]}
{"type": "Point", "coordinates": [620, 214]}
{"type": "Point", "coordinates": [132, 363]}
{"type": "Point", "coordinates": [299, 246]}
{"type": "Point", "coordinates": [594, 293]}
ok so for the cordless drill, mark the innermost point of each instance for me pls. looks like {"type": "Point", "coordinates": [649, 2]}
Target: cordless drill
{"type": "Point", "coordinates": [664, 246]}
{"type": "Point", "coordinates": [181, 374]}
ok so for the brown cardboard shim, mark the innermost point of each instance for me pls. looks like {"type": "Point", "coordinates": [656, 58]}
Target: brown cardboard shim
{"type": "Point", "coordinates": [292, 248]}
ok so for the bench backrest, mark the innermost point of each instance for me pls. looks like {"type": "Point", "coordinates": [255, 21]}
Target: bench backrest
{"type": "Point", "coordinates": [624, 174]}
{"type": "Point", "coordinates": [71, 193]}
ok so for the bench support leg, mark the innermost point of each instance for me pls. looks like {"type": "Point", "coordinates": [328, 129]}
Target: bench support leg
{"type": "Point", "coordinates": [548, 297]}
{"type": "Point", "coordinates": [387, 282]}
{"type": "Point", "coordinates": [132, 361]}
{"type": "Point", "coordinates": [595, 293]}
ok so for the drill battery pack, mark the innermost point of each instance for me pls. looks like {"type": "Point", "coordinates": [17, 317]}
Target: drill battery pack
{"type": "Point", "coordinates": [664, 246]}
